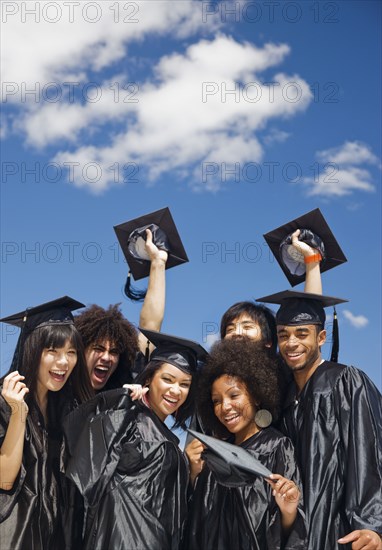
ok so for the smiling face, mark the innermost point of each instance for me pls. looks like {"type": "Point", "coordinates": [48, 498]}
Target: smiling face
{"type": "Point", "coordinates": [243, 326]}
{"type": "Point", "coordinates": [234, 407]}
{"type": "Point", "coordinates": [169, 388]}
{"type": "Point", "coordinates": [101, 360]}
{"type": "Point", "coordinates": [56, 365]}
{"type": "Point", "coordinates": [300, 347]}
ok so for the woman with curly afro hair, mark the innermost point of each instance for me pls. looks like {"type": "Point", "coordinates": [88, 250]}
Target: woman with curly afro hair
{"type": "Point", "coordinates": [238, 397]}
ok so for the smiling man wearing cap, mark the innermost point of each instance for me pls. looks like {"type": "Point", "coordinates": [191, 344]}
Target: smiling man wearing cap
{"type": "Point", "coordinates": [304, 248]}
{"type": "Point", "coordinates": [333, 414]}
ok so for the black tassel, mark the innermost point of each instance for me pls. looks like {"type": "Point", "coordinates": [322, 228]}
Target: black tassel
{"type": "Point", "coordinates": [132, 293]}
{"type": "Point", "coordinates": [147, 352]}
{"type": "Point", "coordinates": [16, 360]}
{"type": "Point", "coordinates": [17, 356]}
{"type": "Point", "coordinates": [335, 338]}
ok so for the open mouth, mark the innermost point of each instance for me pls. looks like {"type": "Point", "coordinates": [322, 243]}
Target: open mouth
{"type": "Point", "coordinates": [231, 419]}
{"type": "Point", "coordinates": [101, 373]}
{"type": "Point", "coordinates": [170, 401]}
{"type": "Point", "coordinates": [58, 375]}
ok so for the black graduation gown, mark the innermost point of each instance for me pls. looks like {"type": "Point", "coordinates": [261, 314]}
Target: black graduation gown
{"type": "Point", "coordinates": [131, 473]}
{"type": "Point", "coordinates": [227, 513]}
{"type": "Point", "coordinates": [30, 513]}
{"type": "Point", "coordinates": [336, 427]}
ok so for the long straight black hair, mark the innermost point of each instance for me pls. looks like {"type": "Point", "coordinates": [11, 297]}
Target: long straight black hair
{"type": "Point", "coordinates": [29, 349]}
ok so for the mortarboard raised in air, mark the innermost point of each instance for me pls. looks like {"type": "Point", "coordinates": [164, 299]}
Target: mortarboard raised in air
{"type": "Point", "coordinates": [303, 308]}
{"type": "Point", "coordinates": [231, 460]}
{"type": "Point", "coordinates": [180, 352]}
{"type": "Point", "coordinates": [315, 231]}
{"type": "Point", "coordinates": [132, 238]}
{"type": "Point", "coordinates": [55, 312]}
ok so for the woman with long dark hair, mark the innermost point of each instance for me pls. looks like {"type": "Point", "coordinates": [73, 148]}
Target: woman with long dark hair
{"type": "Point", "coordinates": [47, 378]}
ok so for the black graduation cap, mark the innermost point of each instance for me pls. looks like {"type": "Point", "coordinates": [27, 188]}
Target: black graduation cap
{"type": "Point", "coordinates": [300, 308]}
{"type": "Point", "coordinates": [304, 308]}
{"type": "Point", "coordinates": [132, 236]}
{"type": "Point", "coordinates": [50, 313]}
{"type": "Point", "coordinates": [183, 354]}
{"type": "Point", "coordinates": [56, 312]}
{"type": "Point", "coordinates": [235, 459]}
{"type": "Point", "coordinates": [315, 231]}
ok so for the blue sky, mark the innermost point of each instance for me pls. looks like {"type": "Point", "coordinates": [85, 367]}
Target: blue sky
{"type": "Point", "coordinates": [132, 111]}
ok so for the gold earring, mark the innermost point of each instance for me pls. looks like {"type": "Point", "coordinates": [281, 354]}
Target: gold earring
{"type": "Point", "coordinates": [263, 418]}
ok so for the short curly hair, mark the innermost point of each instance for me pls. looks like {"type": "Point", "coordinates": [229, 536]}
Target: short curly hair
{"type": "Point", "coordinates": [97, 324]}
{"type": "Point", "coordinates": [253, 365]}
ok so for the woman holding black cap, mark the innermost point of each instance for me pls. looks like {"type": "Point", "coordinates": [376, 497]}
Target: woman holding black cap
{"type": "Point", "coordinates": [237, 399]}
{"type": "Point", "coordinates": [127, 463]}
{"type": "Point", "coordinates": [47, 376]}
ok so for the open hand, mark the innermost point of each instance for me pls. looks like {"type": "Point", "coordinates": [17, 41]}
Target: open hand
{"type": "Point", "coordinates": [137, 391]}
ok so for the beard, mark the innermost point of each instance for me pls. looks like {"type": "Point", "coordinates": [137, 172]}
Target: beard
{"type": "Point", "coordinates": [310, 359]}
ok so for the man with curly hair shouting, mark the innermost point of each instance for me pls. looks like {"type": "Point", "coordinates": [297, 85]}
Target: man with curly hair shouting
{"type": "Point", "coordinates": [111, 342]}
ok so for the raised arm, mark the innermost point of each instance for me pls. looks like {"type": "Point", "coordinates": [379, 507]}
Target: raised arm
{"type": "Point", "coordinates": [11, 451]}
{"type": "Point", "coordinates": [152, 311]}
{"type": "Point", "coordinates": [313, 283]}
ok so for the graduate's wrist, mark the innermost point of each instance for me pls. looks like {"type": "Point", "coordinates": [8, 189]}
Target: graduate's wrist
{"type": "Point", "coordinates": [158, 263]}
{"type": "Point", "coordinates": [19, 411]}
{"type": "Point", "coordinates": [288, 522]}
{"type": "Point", "coordinates": [312, 258]}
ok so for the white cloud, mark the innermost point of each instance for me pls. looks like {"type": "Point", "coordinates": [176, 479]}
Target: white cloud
{"type": "Point", "coordinates": [81, 37]}
{"type": "Point", "coordinates": [276, 136]}
{"type": "Point", "coordinates": [3, 128]}
{"type": "Point", "coordinates": [333, 181]}
{"type": "Point", "coordinates": [357, 321]}
{"type": "Point", "coordinates": [201, 107]}
{"type": "Point", "coordinates": [175, 127]}
{"type": "Point", "coordinates": [350, 153]}
{"type": "Point", "coordinates": [354, 206]}
{"type": "Point", "coordinates": [341, 173]}
{"type": "Point", "coordinates": [57, 121]}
